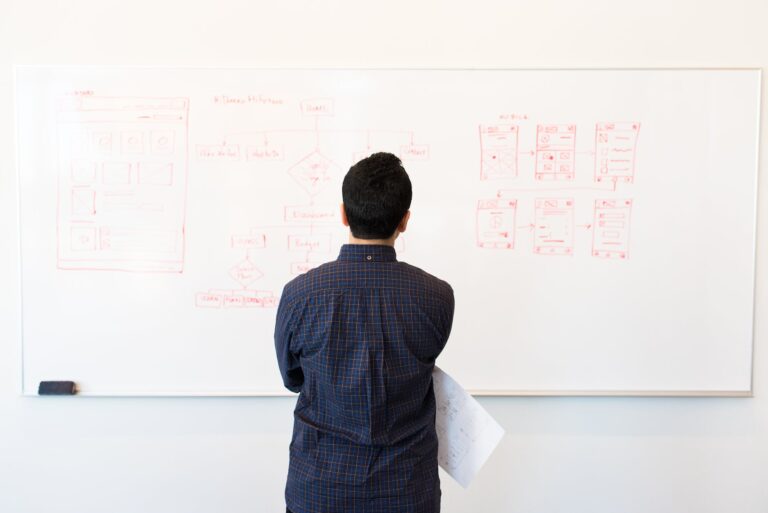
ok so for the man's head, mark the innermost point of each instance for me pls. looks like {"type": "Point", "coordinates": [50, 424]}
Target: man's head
{"type": "Point", "coordinates": [377, 195]}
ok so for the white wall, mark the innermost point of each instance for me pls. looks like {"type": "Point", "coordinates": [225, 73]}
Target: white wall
{"type": "Point", "coordinates": [595, 455]}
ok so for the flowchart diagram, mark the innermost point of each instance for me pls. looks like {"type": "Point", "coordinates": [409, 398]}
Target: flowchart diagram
{"type": "Point", "coordinates": [123, 170]}
{"type": "Point", "coordinates": [124, 166]}
{"type": "Point", "coordinates": [540, 208]}
{"type": "Point", "coordinates": [307, 233]}
{"type": "Point", "coordinates": [122, 189]}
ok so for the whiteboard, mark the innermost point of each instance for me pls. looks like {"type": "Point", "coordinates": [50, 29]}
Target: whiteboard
{"type": "Point", "coordinates": [597, 226]}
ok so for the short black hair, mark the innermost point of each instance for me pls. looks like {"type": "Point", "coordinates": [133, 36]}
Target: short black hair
{"type": "Point", "coordinates": [377, 193]}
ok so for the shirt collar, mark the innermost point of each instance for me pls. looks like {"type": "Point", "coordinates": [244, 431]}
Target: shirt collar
{"type": "Point", "coordinates": [367, 253]}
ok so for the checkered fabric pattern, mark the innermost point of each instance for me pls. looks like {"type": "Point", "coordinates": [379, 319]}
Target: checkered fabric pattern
{"type": "Point", "coordinates": [358, 338]}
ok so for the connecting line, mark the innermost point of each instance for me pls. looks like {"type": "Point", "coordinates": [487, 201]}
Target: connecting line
{"type": "Point", "coordinates": [329, 130]}
{"type": "Point", "coordinates": [317, 133]}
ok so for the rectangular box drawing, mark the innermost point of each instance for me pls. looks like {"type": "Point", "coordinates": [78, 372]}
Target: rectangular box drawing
{"type": "Point", "coordinates": [83, 203]}
{"type": "Point", "coordinates": [258, 298]}
{"type": "Point", "coordinates": [264, 152]}
{"type": "Point", "coordinates": [235, 299]}
{"type": "Point", "coordinates": [317, 107]}
{"type": "Point", "coordinates": [208, 300]}
{"type": "Point", "coordinates": [553, 226]}
{"type": "Point", "coordinates": [215, 152]}
{"type": "Point", "coordinates": [615, 149]}
{"type": "Point", "coordinates": [555, 152]}
{"type": "Point", "coordinates": [132, 143]}
{"type": "Point", "coordinates": [298, 268]}
{"type": "Point", "coordinates": [123, 170]}
{"type": "Point", "coordinates": [162, 142]}
{"type": "Point", "coordinates": [311, 214]}
{"type": "Point", "coordinates": [83, 172]}
{"type": "Point", "coordinates": [156, 173]}
{"type": "Point", "coordinates": [317, 243]}
{"type": "Point", "coordinates": [610, 235]}
{"type": "Point", "coordinates": [82, 239]}
{"type": "Point", "coordinates": [116, 173]}
{"type": "Point", "coordinates": [415, 152]}
{"type": "Point", "coordinates": [495, 224]}
{"type": "Point", "coordinates": [102, 142]}
{"type": "Point", "coordinates": [254, 240]}
{"type": "Point", "coordinates": [498, 151]}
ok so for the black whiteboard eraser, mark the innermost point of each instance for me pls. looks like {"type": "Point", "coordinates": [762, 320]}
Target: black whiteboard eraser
{"type": "Point", "coordinates": [57, 388]}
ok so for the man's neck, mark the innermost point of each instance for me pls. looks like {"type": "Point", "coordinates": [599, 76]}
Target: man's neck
{"type": "Point", "coordinates": [371, 242]}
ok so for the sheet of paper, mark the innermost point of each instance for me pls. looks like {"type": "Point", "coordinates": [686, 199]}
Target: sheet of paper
{"type": "Point", "coordinates": [466, 433]}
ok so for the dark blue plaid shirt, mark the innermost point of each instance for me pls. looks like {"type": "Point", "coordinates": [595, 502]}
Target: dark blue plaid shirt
{"type": "Point", "coordinates": [358, 338]}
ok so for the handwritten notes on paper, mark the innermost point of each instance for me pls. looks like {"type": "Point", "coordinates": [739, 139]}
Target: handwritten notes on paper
{"type": "Point", "coordinates": [466, 433]}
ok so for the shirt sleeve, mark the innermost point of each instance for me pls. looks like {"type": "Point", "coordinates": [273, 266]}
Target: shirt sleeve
{"type": "Point", "coordinates": [288, 361]}
{"type": "Point", "coordinates": [447, 317]}
{"type": "Point", "coordinates": [449, 314]}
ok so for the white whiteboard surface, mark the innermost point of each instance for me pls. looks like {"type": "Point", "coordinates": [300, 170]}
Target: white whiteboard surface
{"type": "Point", "coordinates": [597, 225]}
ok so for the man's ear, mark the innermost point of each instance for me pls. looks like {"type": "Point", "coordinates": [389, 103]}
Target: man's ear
{"type": "Point", "coordinates": [404, 222]}
{"type": "Point", "coordinates": [343, 213]}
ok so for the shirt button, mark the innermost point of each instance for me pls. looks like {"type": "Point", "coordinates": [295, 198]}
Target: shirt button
{"type": "Point", "coordinates": [368, 257]}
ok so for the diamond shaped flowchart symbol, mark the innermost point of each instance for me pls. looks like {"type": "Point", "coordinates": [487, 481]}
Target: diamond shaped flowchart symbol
{"type": "Point", "coordinates": [313, 172]}
{"type": "Point", "coordinates": [245, 273]}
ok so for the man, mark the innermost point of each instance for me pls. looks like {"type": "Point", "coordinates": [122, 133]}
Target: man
{"type": "Point", "coordinates": [358, 338]}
